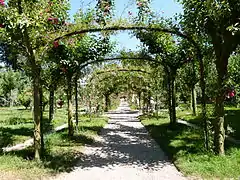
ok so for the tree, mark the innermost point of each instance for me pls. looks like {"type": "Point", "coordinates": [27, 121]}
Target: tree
{"type": "Point", "coordinates": [105, 83]}
{"type": "Point", "coordinates": [26, 26]}
{"type": "Point", "coordinates": [188, 79]}
{"type": "Point", "coordinates": [216, 19]}
{"type": "Point", "coordinates": [11, 82]}
{"type": "Point", "coordinates": [71, 55]}
{"type": "Point", "coordinates": [172, 55]}
{"type": "Point", "coordinates": [25, 98]}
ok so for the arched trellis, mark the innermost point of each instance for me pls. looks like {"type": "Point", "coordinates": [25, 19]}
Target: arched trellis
{"type": "Point", "coordinates": [85, 64]}
{"type": "Point", "coordinates": [120, 70]}
{"type": "Point", "coordinates": [171, 88]}
{"type": "Point", "coordinates": [117, 70]}
{"type": "Point", "coordinates": [164, 30]}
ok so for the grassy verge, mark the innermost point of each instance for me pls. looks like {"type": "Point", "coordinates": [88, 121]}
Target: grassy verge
{"type": "Point", "coordinates": [185, 146]}
{"type": "Point", "coordinates": [232, 115]}
{"type": "Point", "coordinates": [61, 153]}
{"type": "Point", "coordinates": [16, 124]}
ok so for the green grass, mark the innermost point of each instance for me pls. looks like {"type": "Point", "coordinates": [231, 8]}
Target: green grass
{"type": "Point", "coordinates": [232, 118]}
{"type": "Point", "coordinates": [16, 124]}
{"type": "Point", "coordinates": [185, 146]}
{"type": "Point", "coordinates": [61, 153]}
{"type": "Point", "coordinates": [232, 115]}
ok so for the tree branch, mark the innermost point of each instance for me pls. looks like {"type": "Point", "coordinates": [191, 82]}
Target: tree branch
{"type": "Point", "coordinates": [123, 70]}
{"type": "Point", "coordinates": [119, 58]}
{"type": "Point", "coordinates": [125, 28]}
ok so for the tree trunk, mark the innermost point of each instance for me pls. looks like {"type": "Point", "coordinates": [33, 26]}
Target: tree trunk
{"type": "Point", "coordinates": [70, 108]}
{"type": "Point", "coordinates": [223, 52]}
{"type": "Point", "coordinates": [149, 103]}
{"type": "Point", "coordinates": [41, 119]}
{"type": "Point", "coordinates": [219, 131]}
{"type": "Point", "coordinates": [51, 104]}
{"type": "Point", "coordinates": [109, 103]}
{"type": "Point", "coordinates": [106, 102]}
{"type": "Point", "coordinates": [156, 105]}
{"type": "Point", "coordinates": [35, 70]}
{"type": "Point", "coordinates": [76, 101]}
{"type": "Point", "coordinates": [90, 107]}
{"type": "Point", "coordinates": [194, 100]}
{"type": "Point", "coordinates": [173, 96]}
{"type": "Point", "coordinates": [37, 116]}
{"type": "Point", "coordinates": [139, 101]}
{"type": "Point", "coordinates": [169, 97]}
{"type": "Point", "coordinates": [145, 103]}
{"type": "Point", "coordinates": [203, 98]}
{"type": "Point", "coordinates": [219, 134]}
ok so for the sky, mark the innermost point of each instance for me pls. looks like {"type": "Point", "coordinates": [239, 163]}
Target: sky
{"type": "Point", "coordinates": [166, 8]}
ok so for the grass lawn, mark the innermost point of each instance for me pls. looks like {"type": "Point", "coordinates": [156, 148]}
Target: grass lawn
{"type": "Point", "coordinates": [232, 115]}
{"type": "Point", "coordinates": [61, 153]}
{"type": "Point", "coordinates": [185, 146]}
{"type": "Point", "coordinates": [16, 124]}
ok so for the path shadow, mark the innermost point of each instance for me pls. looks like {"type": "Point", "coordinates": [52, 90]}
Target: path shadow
{"type": "Point", "coordinates": [17, 120]}
{"type": "Point", "coordinates": [59, 159]}
{"type": "Point", "coordinates": [67, 160]}
{"type": "Point", "coordinates": [185, 139]}
{"type": "Point", "coordinates": [7, 135]}
{"type": "Point", "coordinates": [123, 144]}
{"type": "Point", "coordinates": [77, 138]}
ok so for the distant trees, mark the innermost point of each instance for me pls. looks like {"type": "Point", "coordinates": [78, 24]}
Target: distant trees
{"type": "Point", "coordinates": [11, 84]}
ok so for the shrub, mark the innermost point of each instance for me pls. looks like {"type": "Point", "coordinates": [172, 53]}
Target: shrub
{"type": "Point", "coordinates": [25, 98]}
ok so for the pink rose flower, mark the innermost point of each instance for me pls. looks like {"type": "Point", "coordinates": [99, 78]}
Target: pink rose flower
{"type": "Point", "coordinates": [55, 44]}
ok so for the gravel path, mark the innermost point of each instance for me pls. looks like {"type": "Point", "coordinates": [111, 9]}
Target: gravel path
{"type": "Point", "coordinates": [124, 151]}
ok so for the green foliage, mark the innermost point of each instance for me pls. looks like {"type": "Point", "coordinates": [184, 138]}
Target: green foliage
{"type": "Point", "coordinates": [104, 11]}
{"type": "Point", "coordinates": [234, 75]}
{"type": "Point", "coordinates": [144, 10]}
{"type": "Point", "coordinates": [119, 78]}
{"type": "Point", "coordinates": [25, 98]}
{"type": "Point", "coordinates": [202, 16]}
{"type": "Point", "coordinates": [9, 80]}
{"type": "Point", "coordinates": [21, 17]}
{"type": "Point", "coordinates": [187, 78]}
{"type": "Point", "coordinates": [70, 56]}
